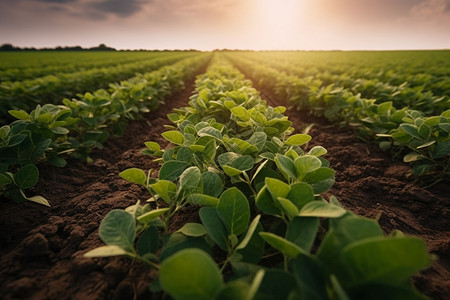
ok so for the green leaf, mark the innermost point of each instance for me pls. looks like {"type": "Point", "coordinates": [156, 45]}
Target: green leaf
{"type": "Point", "coordinates": [306, 164]}
{"type": "Point", "coordinates": [288, 207]}
{"type": "Point", "coordinates": [212, 184]}
{"type": "Point", "coordinates": [286, 247]}
{"type": "Point", "coordinates": [310, 276]}
{"type": "Point", "coordinates": [26, 177]}
{"type": "Point", "coordinates": [300, 194]}
{"type": "Point", "coordinates": [302, 231]}
{"type": "Point", "coordinates": [106, 251]}
{"type": "Point", "coordinates": [234, 211]}
{"type": "Point", "coordinates": [190, 179]}
{"type": "Point", "coordinates": [190, 274]}
{"type": "Point", "coordinates": [322, 209]}
{"type": "Point", "coordinates": [166, 189]}
{"type": "Point", "coordinates": [286, 165]}
{"type": "Point", "coordinates": [249, 234]}
{"type": "Point", "coordinates": [174, 136]}
{"type": "Point", "coordinates": [134, 175]}
{"type": "Point", "coordinates": [241, 113]}
{"type": "Point", "coordinates": [411, 130]}
{"type": "Point", "coordinates": [277, 188]}
{"type": "Point", "coordinates": [317, 151]}
{"type": "Point", "coordinates": [19, 114]}
{"type": "Point", "coordinates": [4, 180]}
{"type": "Point", "coordinates": [384, 260]}
{"type": "Point", "coordinates": [265, 202]}
{"type": "Point", "coordinates": [152, 215]}
{"type": "Point", "coordinates": [202, 200]}
{"type": "Point", "coordinates": [148, 242]}
{"type": "Point", "coordinates": [172, 169]}
{"type": "Point", "coordinates": [153, 146]}
{"type": "Point", "coordinates": [210, 131]}
{"type": "Point", "coordinates": [39, 200]}
{"type": "Point", "coordinates": [193, 229]}
{"type": "Point", "coordinates": [298, 139]}
{"type": "Point", "coordinates": [230, 171]}
{"type": "Point", "coordinates": [214, 226]}
{"type": "Point", "coordinates": [184, 154]}
{"type": "Point", "coordinates": [118, 228]}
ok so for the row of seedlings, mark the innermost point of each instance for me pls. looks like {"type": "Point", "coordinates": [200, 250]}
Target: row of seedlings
{"type": "Point", "coordinates": [260, 211]}
{"type": "Point", "coordinates": [423, 141]}
{"type": "Point", "coordinates": [51, 132]}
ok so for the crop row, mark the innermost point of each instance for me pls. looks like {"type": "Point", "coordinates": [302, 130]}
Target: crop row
{"type": "Point", "coordinates": [50, 132]}
{"type": "Point", "coordinates": [78, 62]}
{"type": "Point", "coordinates": [406, 94]}
{"type": "Point", "coordinates": [425, 71]}
{"type": "Point", "coordinates": [422, 140]}
{"type": "Point", "coordinates": [260, 206]}
{"type": "Point", "coordinates": [52, 89]}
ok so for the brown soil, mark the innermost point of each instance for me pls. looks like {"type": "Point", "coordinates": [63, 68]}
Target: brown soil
{"type": "Point", "coordinates": [42, 248]}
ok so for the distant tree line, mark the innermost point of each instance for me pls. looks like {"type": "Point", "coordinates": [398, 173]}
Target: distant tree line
{"type": "Point", "coordinates": [101, 47]}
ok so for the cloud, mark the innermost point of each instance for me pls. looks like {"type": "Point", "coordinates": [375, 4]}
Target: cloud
{"type": "Point", "coordinates": [119, 8]}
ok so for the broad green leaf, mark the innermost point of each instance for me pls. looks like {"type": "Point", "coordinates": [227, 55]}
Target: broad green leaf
{"type": "Point", "coordinates": [106, 251]}
{"type": "Point", "coordinates": [191, 178]}
{"type": "Point", "coordinates": [317, 151]}
{"type": "Point", "coordinates": [306, 164]}
{"type": "Point", "coordinates": [153, 146]}
{"type": "Point", "coordinates": [234, 290]}
{"type": "Point", "coordinates": [277, 188]}
{"type": "Point", "coordinates": [286, 165]}
{"type": "Point", "coordinates": [441, 150]}
{"type": "Point", "coordinates": [26, 177]}
{"type": "Point", "coordinates": [300, 194]}
{"type": "Point", "coordinates": [249, 234]}
{"type": "Point", "coordinates": [384, 260]}
{"type": "Point", "coordinates": [118, 228]}
{"type": "Point", "coordinates": [411, 130]}
{"type": "Point", "coordinates": [289, 207]}
{"type": "Point", "coordinates": [134, 175]}
{"type": "Point", "coordinates": [302, 231]}
{"type": "Point", "coordinates": [174, 136]}
{"type": "Point", "coordinates": [234, 211]}
{"type": "Point", "coordinates": [184, 154]}
{"type": "Point", "coordinates": [342, 233]}
{"type": "Point", "coordinates": [209, 153]}
{"type": "Point", "coordinates": [286, 247]}
{"type": "Point", "coordinates": [166, 189]}
{"type": "Point", "coordinates": [172, 169]}
{"type": "Point", "coordinates": [298, 139]}
{"type": "Point", "coordinates": [243, 163]}
{"type": "Point", "coordinates": [210, 131]}
{"type": "Point", "coordinates": [264, 201]}
{"type": "Point", "coordinates": [203, 200]}
{"type": "Point", "coordinates": [19, 114]}
{"type": "Point", "coordinates": [192, 229]}
{"type": "Point", "coordinates": [230, 171]}
{"type": "Point", "coordinates": [214, 226]}
{"type": "Point", "coordinates": [148, 242]}
{"type": "Point", "coordinates": [311, 278]}
{"type": "Point", "coordinates": [190, 274]}
{"type": "Point", "coordinates": [152, 215]}
{"type": "Point", "coordinates": [277, 284]}
{"type": "Point", "coordinates": [60, 130]}
{"type": "Point", "coordinates": [4, 180]}
{"type": "Point", "coordinates": [212, 184]}
{"type": "Point", "coordinates": [176, 242]}
{"type": "Point", "coordinates": [241, 113]}
{"type": "Point", "coordinates": [258, 139]}
{"type": "Point", "coordinates": [413, 156]}
{"type": "Point", "coordinates": [321, 209]}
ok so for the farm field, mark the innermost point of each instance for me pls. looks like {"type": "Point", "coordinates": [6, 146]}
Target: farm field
{"type": "Point", "coordinates": [254, 181]}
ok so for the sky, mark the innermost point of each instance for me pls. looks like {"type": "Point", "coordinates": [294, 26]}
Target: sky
{"type": "Point", "coordinates": [230, 24]}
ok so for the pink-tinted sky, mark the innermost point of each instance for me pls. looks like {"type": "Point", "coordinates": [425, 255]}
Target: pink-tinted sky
{"type": "Point", "coordinates": [233, 24]}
